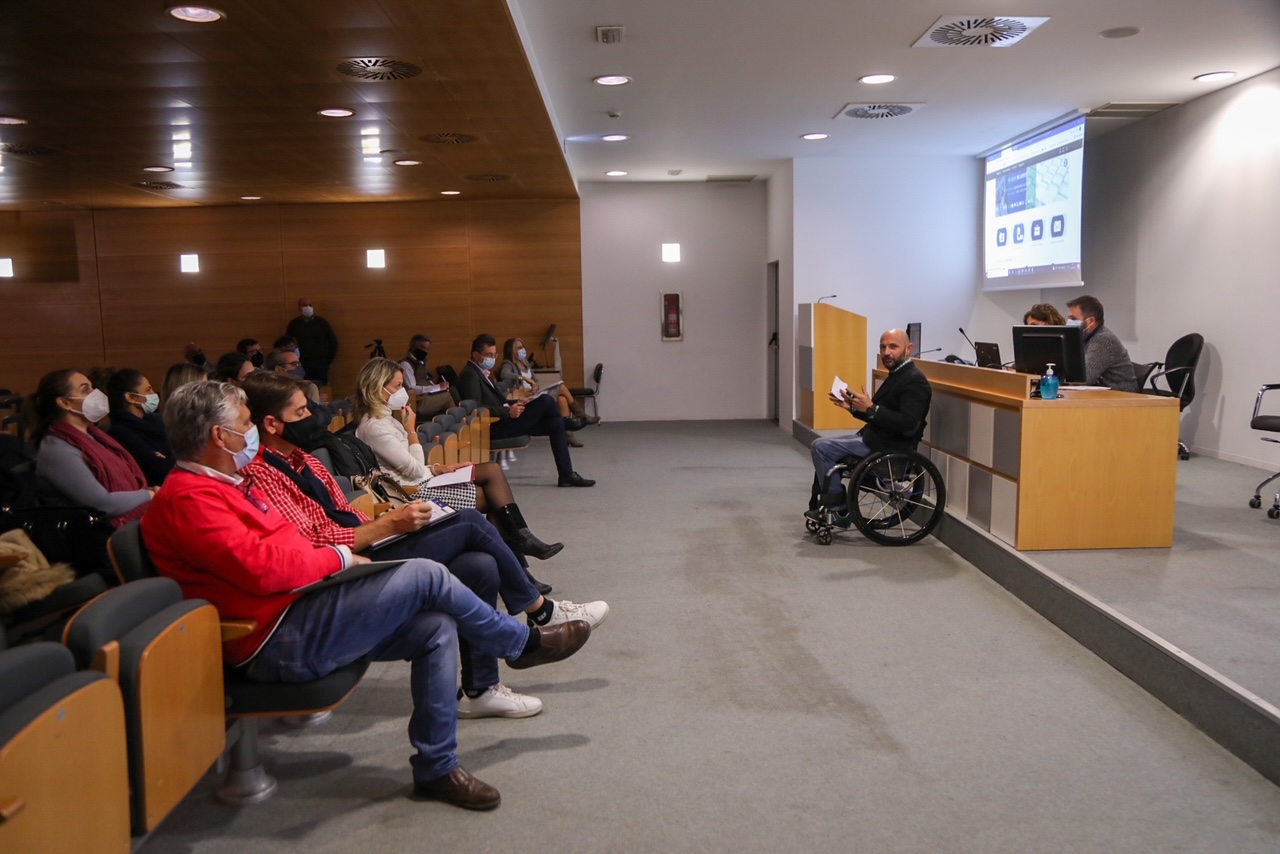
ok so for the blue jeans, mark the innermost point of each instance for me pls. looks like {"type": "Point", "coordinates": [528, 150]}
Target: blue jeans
{"type": "Point", "coordinates": [408, 613]}
{"type": "Point", "coordinates": [830, 450]}
{"type": "Point", "coordinates": [472, 550]}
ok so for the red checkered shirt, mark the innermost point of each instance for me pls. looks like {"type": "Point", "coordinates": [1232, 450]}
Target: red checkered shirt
{"type": "Point", "coordinates": [284, 495]}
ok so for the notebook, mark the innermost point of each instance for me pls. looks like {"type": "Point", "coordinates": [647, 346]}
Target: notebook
{"type": "Point", "coordinates": [351, 573]}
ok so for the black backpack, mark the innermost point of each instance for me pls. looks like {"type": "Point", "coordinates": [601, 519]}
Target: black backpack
{"type": "Point", "coordinates": [351, 457]}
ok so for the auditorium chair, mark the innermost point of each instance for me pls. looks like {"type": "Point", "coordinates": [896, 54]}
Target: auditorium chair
{"type": "Point", "coordinates": [165, 653]}
{"type": "Point", "coordinates": [64, 782]}
{"type": "Point", "coordinates": [247, 781]}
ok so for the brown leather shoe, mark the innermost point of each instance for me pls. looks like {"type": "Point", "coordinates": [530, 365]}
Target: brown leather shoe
{"type": "Point", "coordinates": [459, 788]}
{"type": "Point", "coordinates": [558, 643]}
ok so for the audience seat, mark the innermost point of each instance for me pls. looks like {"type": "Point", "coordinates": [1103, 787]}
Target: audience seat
{"type": "Point", "coordinates": [64, 783]}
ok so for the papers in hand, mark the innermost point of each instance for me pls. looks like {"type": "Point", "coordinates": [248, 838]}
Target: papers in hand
{"type": "Point", "coordinates": [466, 474]}
{"type": "Point", "coordinates": [439, 512]}
{"type": "Point", "coordinates": [839, 387]}
{"type": "Point", "coordinates": [544, 390]}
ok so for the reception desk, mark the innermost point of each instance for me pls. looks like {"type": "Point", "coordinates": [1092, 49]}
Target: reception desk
{"type": "Point", "coordinates": [1090, 470]}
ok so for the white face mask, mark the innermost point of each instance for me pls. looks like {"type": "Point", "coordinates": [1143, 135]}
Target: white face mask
{"type": "Point", "coordinates": [94, 406]}
{"type": "Point", "coordinates": [152, 403]}
{"type": "Point", "coordinates": [488, 362]}
{"type": "Point", "coordinates": [399, 400]}
{"type": "Point", "coordinates": [1071, 321]}
{"type": "Point", "coordinates": [308, 311]}
{"type": "Point", "coordinates": [521, 354]}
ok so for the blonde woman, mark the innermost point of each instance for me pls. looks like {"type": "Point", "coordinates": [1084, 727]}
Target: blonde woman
{"type": "Point", "coordinates": [386, 423]}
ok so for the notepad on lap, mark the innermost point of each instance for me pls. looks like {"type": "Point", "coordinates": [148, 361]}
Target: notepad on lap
{"type": "Point", "coordinates": [351, 573]}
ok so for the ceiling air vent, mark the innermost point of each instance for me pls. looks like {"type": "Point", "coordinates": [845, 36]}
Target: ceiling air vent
{"type": "Point", "coordinates": [1123, 110]}
{"type": "Point", "coordinates": [19, 148]}
{"type": "Point", "coordinates": [730, 179]}
{"type": "Point", "coordinates": [974, 31]}
{"type": "Point", "coordinates": [877, 111]}
{"type": "Point", "coordinates": [610, 35]}
{"type": "Point", "coordinates": [161, 185]}
{"type": "Point", "coordinates": [448, 138]}
{"type": "Point", "coordinates": [378, 69]}
{"type": "Point", "coordinates": [487, 177]}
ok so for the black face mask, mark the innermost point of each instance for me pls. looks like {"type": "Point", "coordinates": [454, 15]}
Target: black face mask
{"type": "Point", "coordinates": [306, 434]}
{"type": "Point", "coordinates": [257, 359]}
{"type": "Point", "coordinates": [420, 355]}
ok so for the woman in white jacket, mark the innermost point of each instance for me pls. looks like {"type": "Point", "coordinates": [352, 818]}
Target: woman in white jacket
{"type": "Point", "coordinates": [386, 423]}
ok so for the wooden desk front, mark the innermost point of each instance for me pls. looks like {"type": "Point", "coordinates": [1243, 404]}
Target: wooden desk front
{"type": "Point", "coordinates": [1091, 470]}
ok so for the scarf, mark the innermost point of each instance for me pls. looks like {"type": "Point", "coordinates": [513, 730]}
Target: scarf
{"type": "Point", "coordinates": [310, 485]}
{"type": "Point", "coordinates": [111, 464]}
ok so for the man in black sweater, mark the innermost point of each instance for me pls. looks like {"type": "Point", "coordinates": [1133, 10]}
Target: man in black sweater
{"type": "Point", "coordinates": [895, 416]}
{"type": "Point", "coordinates": [539, 416]}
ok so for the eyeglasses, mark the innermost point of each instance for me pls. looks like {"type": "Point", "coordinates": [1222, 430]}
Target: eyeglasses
{"type": "Point", "coordinates": [245, 487]}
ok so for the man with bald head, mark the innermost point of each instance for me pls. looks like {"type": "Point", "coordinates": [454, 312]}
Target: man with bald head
{"type": "Point", "coordinates": [895, 418]}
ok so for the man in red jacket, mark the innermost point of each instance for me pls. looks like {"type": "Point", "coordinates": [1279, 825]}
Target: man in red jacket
{"type": "Point", "coordinates": [213, 533]}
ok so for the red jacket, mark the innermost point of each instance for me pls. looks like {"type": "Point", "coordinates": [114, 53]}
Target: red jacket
{"type": "Point", "coordinates": [234, 550]}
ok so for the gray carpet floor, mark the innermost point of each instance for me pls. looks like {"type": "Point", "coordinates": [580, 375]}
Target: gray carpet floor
{"type": "Point", "coordinates": [754, 691]}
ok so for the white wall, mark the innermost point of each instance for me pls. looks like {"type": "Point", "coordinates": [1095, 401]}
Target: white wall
{"type": "Point", "coordinates": [897, 238]}
{"type": "Point", "coordinates": [781, 248]}
{"type": "Point", "coordinates": [718, 370]}
{"type": "Point", "coordinates": [1182, 217]}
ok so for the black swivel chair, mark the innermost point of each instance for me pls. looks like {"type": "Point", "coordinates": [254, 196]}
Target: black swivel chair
{"type": "Point", "coordinates": [1179, 372]}
{"type": "Point", "coordinates": [1270, 424]}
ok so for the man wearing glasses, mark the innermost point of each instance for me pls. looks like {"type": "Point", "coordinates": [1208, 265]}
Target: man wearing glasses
{"type": "Point", "coordinates": [211, 531]}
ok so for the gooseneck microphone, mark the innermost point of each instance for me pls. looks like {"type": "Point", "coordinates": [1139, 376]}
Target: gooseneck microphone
{"type": "Point", "coordinates": [966, 337]}
{"type": "Point", "coordinates": [927, 352]}
{"type": "Point", "coordinates": [828, 296]}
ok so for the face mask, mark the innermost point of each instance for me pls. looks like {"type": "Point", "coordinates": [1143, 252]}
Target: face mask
{"type": "Point", "coordinates": [399, 400]}
{"type": "Point", "coordinates": [488, 362]}
{"type": "Point", "coordinates": [308, 311]}
{"type": "Point", "coordinates": [257, 359]}
{"type": "Point", "coordinates": [521, 354]}
{"type": "Point", "coordinates": [420, 355]}
{"type": "Point", "coordinates": [306, 434]}
{"type": "Point", "coordinates": [1074, 322]}
{"type": "Point", "coordinates": [94, 406]}
{"type": "Point", "coordinates": [151, 404]}
{"type": "Point", "coordinates": [297, 373]}
{"type": "Point", "coordinates": [242, 458]}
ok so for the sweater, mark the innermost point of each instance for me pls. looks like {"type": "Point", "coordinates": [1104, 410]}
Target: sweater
{"type": "Point", "coordinates": [228, 546]}
{"type": "Point", "coordinates": [389, 441]}
{"type": "Point", "coordinates": [145, 440]}
{"type": "Point", "coordinates": [1106, 362]}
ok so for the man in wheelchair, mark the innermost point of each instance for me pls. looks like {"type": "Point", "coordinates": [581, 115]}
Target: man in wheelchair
{"type": "Point", "coordinates": [894, 415]}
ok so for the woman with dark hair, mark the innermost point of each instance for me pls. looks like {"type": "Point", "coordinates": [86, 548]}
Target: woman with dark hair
{"type": "Point", "coordinates": [136, 424]}
{"type": "Point", "coordinates": [516, 374]}
{"type": "Point", "coordinates": [232, 368]}
{"type": "Point", "coordinates": [75, 459]}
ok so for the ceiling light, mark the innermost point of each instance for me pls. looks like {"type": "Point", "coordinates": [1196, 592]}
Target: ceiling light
{"type": "Point", "coordinates": [615, 173]}
{"type": "Point", "coordinates": [615, 137]}
{"type": "Point", "coordinates": [196, 14]}
{"type": "Point", "coordinates": [675, 171]}
{"type": "Point", "coordinates": [450, 192]}
{"type": "Point", "coordinates": [12, 120]}
{"type": "Point", "coordinates": [186, 164]}
{"type": "Point", "coordinates": [408, 162]}
{"type": "Point", "coordinates": [1213, 76]}
{"type": "Point", "coordinates": [1119, 32]}
{"type": "Point", "coordinates": [612, 80]}
{"type": "Point", "coordinates": [250, 198]}
{"type": "Point", "coordinates": [157, 168]}
{"type": "Point", "coordinates": [336, 112]}
{"type": "Point", "coordinates": [877, 78]}
{"type": "Point", "coordinates": [813, 136]}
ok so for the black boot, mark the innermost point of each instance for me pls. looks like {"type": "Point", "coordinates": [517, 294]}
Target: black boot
{"type": "Point", "coordinates": [544, 589]}
{"type": "Point", "coordinates": [520, 538]}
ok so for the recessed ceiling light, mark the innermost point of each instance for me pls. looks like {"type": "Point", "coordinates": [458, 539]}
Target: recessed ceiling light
{"type": "Point", "coordinates": [450, 192]}
{"type": "Point", "coordinates": [336, 112]}
{"type": "Point", "coordinates": [1119, 32]}
{"type": "Point", "coordinates": [12, 120]}
{"type": "Point", "coordinates": [812, 136]}
{"type": "Point", "coordinates": [612, 80]}
{"type": "Point", "coordinates": [675, 171]}
{"type": "Point", "coordinates": [615, 137]}
{"type": "Point", "coordinates": [157, 168]}
{"type": "Point", "coordinates": [615, 173]}
{"type": "Point", "coordinates": [877, 78]}
{"type": "Point", "coordinates": [196, 14]}
{"type": "Point", "coordinates": [251, 198]}
{"type": "Point", "coordinates": [1214, 75]}
{"type": "Point", "coordinates": [408, 162]}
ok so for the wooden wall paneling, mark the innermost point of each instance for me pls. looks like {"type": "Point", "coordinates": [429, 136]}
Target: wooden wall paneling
{"type": "Point", "coordinates": [424, 225]}
{"type": "Point", "coordinates": [22, 371]}
{"type": "Point", "coordinates": [200, 230]}
{"type": "Point", "coordinates": [223, 278]}
{"type": "Point", "coordinates": [526, 314]}
{"type": "Point", "coordinates": [322, 273]}
{"type": "Point", "coordinates": [51, 328]}
{"type": "Point", "coordinates": [215, 326]}
{"type": "Point", "coordinates": [82, 290]}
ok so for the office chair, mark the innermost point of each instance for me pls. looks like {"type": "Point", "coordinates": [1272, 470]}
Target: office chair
{"type": "Point", "coordinates": [1271, 424]}
{"type": "Point", "coordinates": [1179, 373]}
{"type": "Point", "coordinates": [591, 394]}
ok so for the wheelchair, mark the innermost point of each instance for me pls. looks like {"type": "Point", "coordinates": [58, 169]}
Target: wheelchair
{"type": "Point", "coordinates": [893, 498]}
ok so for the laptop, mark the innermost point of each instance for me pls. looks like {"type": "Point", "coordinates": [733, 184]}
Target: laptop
{"type": "Point", "coordinates": [988, 354]}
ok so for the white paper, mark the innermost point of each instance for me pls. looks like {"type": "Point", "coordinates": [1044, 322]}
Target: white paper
{"type": "Point", "coordinates": [839, 386]}
{"type": "Point", "coordinates": [463, 475]}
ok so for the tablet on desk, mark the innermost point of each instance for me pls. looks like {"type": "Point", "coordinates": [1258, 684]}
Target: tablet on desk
{"type": "Point", "coordinates": [351, 573]}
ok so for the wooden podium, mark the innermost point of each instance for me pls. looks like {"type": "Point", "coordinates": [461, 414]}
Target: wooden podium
{"type": "Point", "coordinates": [1091, 470]}
{"type": "Point", "coordinates": [829, 342]}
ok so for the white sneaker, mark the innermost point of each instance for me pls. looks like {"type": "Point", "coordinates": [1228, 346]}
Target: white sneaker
{"type": "Point", "coordinates": [499, 701]}
{"type": "Point", "coordinates": [592, 612]}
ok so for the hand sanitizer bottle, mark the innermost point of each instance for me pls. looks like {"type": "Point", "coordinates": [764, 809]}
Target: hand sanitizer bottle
{"type": "Point", "coordinates": [1048, 383]}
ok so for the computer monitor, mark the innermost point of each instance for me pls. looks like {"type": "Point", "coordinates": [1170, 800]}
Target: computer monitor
{"type": "Point", "coordinates": [913, 335]}
{"type": "Point", "coordinates": [1036, 346]}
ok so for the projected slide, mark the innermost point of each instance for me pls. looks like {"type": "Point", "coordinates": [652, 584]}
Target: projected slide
{"type": "Point", "coordinates": [1031, 210]}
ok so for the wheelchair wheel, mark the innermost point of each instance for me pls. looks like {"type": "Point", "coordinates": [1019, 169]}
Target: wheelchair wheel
{"type": "Point", "coordinates": [824, 536]}
{"type": "Point", "coordinates": [896, 498]}
{"type": "Point", "coordinates": [810, 525]}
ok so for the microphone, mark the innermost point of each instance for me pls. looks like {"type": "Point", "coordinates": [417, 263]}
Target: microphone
{"type": "Point", "coordinates": [927, 352]}
{"type": "Point", "coordinates": [828, 296]}
{"type": "Point", "coordinates": [966, 337]}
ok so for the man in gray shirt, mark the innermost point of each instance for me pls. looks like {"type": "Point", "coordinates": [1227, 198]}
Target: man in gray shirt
{"type": "Point", "coordinates": [1106, 361]}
